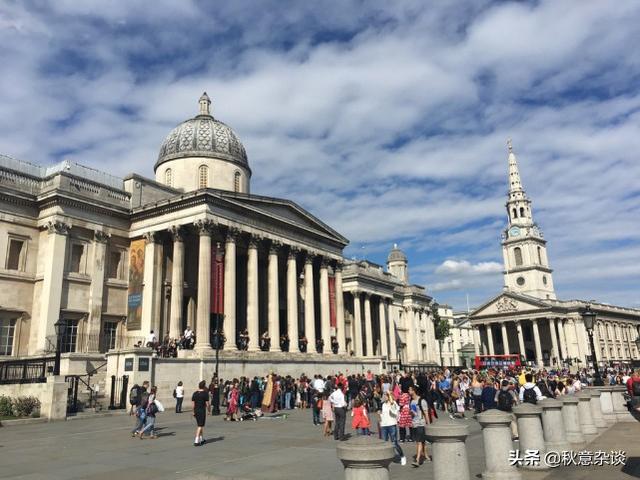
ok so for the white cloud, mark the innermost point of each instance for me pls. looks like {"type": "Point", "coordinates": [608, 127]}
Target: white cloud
{"type": "Point", "coordinates": [463, 267]}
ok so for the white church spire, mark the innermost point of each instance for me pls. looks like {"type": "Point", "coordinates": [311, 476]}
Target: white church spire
{"type": "Point", "coordinates": [205, 104]}
{"type": "Point", "coordinates": [515, 184]}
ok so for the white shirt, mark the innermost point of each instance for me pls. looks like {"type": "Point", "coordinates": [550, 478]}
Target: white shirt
{"type": "Point", "coordinates": [577, 385]}
{"type": "Point", "coordinates": [179, 391]}
{"type": "Point", "coordinates": [151, 338]}
{"type": "Point", "coordinates": [527, 386]}
{"type": "Point", "coordinates": [188, 333]}
{"type": "Point", "coordinates": [337, 399]}
{"type": "Point", "coordinates": [318, 384]}
{"type": "Point", "coordinates": [389, 414]}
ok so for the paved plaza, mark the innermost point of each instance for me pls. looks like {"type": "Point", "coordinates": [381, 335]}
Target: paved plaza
{"type": "Point", "coordinates": [292, 448]}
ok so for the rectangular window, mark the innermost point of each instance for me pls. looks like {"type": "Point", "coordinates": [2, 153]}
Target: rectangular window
{"type": "Point", "coordinates": [76, 261]}
{"type": "Point", "coordinates": [115, 267]}
{"type": "Point", "coordinates": [69, 338]}
{"type": "Point", "coordinates": [16, 254]}
{"type": "Point", "coordinates": [109, 335]}
{"type": "Point", "coordinates": [7, 333]}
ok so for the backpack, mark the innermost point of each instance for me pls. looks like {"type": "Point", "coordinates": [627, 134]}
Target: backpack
{"type": "Point", "coordinates": [505, 400]}
{"type": "Point", "coordinates": [529, 396]}
{"type": "Point", "coordinates": [635, 388]}
{"type": "Point", "coordinates": [175, 395]}
{"type": "Point", "coordinates": [134, 395]}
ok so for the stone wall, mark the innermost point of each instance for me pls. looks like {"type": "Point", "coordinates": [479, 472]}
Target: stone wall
{"type": "Point", "coordinates": [52, 396]}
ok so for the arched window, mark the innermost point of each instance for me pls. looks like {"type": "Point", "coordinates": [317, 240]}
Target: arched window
{"type": "Point", "coordinates": [540, 255]}
{"type": "Point", "coordinates": [515, 213]}
{"type": "Point", "coordinates": [517, 252]}
{"type": "Point", "coordinates": [203, 176]}
{"type": "Point", "coordinates": [522, 211]}
{"type": "Point", "coordinates": [236, 182]}
{"type": "Point", "coordinates": [168, 178]}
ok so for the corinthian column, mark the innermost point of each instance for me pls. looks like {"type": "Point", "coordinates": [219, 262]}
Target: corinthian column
{"type": "Point", "coordinates": [230, 289]}
{"type": "Point", "coordinates": [177, 283]}
{"type": "Point", "coordinates": [554, 341]}
{"type": "Point", "coordinates": [292, 301]}
{"type": "Point", "coordinates": [383, 328]}
{"type": "Point", "coordinates": [536, 341]}
{"type": "Point", "coordinates": [252, 295]}
{"type": "Point", "coordinates": [340, 327]}
{"type": "Point", "coordinates": [357, 318]}
{"type": "Point", "coordinates": [325, 320]}
{"type": "Point", "coordinates": [490, 339]}
{"type": "Point", "coordinates": [523, 352]}
{"type": "Point", "coordinates": [273, 308]}
{"type": "Point", "coordinates": [368, 327]}
{"type": "Point", "coordinates": [96, 290]}
{"type": "Point", "coordinates": [309, 311]}
{"type": "Point", "coordinates": [505, 338]}
{"type": "Point", "coordinates": [393, 348]}
{"type": "Point", "coordinates": [203, 341]}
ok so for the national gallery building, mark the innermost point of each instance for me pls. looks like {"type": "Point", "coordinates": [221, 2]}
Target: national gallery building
{"type": "Point", "coordinates": [108, 260]}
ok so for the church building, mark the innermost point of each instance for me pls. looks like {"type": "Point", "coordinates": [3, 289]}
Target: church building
{"type": "Point", "coordinates": [527, 318]}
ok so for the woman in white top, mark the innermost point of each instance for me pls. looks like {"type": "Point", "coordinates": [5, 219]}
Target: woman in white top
{"type": "Point", "coordinates": [178, 394]}
{"type": "Point", "coordinates": [388, 424]}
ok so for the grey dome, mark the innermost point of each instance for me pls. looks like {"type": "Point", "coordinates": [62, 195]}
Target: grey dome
{"type": "Point", "coordinates": [203, 136]}
{"type": "Point", "coordinates": [396, 255]}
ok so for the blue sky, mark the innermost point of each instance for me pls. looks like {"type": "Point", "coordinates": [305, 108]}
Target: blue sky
{"type": "Point", "coordinates": [388, 120]}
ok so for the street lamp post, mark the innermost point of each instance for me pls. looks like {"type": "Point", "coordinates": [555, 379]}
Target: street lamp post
{"type": "Point", "coordinates": [589, 319]}
{"type": "Point", "coordinates": [60, 328]}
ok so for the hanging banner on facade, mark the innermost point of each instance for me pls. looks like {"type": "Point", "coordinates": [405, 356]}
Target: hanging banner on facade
{"type": "Point", "coordinates": [217, 280]}
{"type": "Point", "coordinates": [332, 303]}
{"type": "Point", "coordinates": [136, 279]}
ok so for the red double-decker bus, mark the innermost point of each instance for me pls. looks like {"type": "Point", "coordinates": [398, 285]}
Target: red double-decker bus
{"type": "Point", "coordinates": [497, 361]}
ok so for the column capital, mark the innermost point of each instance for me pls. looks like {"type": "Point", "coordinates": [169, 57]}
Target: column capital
{"type": "Point", "coordinates": [275, 247]}
{"type": "Point", "coordinates": [204, 226]}
{"type": "Point", "coordinates": [101, 237]}
{"type": "Point", "coordinates": [338, 265]}
{"type": "Point", "coordinates": [177, 233]}
{"type": "Point", "coordinates": [293, 253]}
{"type": "Point", "coordinates": [232, 235]}
{"type": "Point", "coordinates": [308, 259]}
{"type": "Point", "coordinates": [324, 262]}
{"type": "Point", "coordinates": [366, 295]}
{"type": "Point", "coordinates": [254, 241]}
{"type": "Point", "coordinates": [58, 227]}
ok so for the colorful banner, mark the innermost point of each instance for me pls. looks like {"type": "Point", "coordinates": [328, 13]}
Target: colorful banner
{"type": "Point", "coordinates": [217, 280]}
{"type": "Point", "coordinates": [332, 302]}
{"type": "Point", "coordinates": [136, 279]}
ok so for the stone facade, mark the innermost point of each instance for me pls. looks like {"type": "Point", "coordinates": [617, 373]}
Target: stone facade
{"type": "Point", "coordinates": [527, 318]}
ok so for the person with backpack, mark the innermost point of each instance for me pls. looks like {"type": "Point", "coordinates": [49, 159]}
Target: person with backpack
{"type": "Point", "coordinates": [529, 392]}
{"type": "Point", "coordinates": [178, 394]}
{"type": "Point", "coordinates": [152, 408]}
{"type": "Point", "coordinates": [633, 389]}
{"type": "Point", "coordinates": [419, 420]}
{"type": "Point", "coordinates": [505, 399]}
{"type": "Point", "coordinates": [138, 397]}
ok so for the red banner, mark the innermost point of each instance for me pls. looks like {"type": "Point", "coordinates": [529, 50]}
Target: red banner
{"type": "Point", "coordinates": [217, 280]}
{"type": "Point", "coordinates": [332, 302]}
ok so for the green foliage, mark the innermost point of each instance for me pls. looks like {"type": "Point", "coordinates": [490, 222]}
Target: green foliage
{"type": "Point", "coordinates": [442, 327]}
{"type": "Point", "coordinates": [26, 407]}
{"type": "Point", "coordinates": [6, 408]}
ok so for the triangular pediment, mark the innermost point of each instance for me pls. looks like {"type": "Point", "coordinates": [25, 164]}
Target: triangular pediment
{"type": "Point", "coordinates": [285, 211]}
{"type": "Point", "coordinates": [509, 303]}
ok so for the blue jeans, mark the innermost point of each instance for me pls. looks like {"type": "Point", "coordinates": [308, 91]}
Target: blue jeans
{"type": "Point", "coordinates": [140, 417]}
{"type": "Point", "coordinates": [149, 426]}
{"type": "Point", "coordinates": [363, 431]}
{"type": "Point", "coordinates": [287, 400]}
{"type": "Point", "coordinates": [390, 434]}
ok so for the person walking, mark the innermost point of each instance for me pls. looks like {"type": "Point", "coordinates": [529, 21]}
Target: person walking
{"type": "Point", "coordinates": [339, 405]}
{"type": "Point", "coordinates": [388, 424]}
{"type": "Point", "coordinates": [200, 399]}
{"type": "Point", "coordinates": [360, 422]}
{"type": "Point", "coordinates": [153, 407]}
{"type": "Point", "coordinates": [419, 420]}
{"type": "Point", "coordinates": [404, 420]}
{"type": "Point", "coordinates": [138, 397]}
{"type": "Point", "coordinates": [178, 394]}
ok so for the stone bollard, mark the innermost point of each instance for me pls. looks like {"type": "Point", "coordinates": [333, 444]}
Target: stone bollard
{"type": "Point", "coordinates": [589, 429]}
{"type": "Point", "coordinates": [496, 436]}
{"type": "Point", "coordinates": [448, 449]}
{"type": "Point", "coordinates": [530, 432]}
{"type": "Point", "coordinates": [620, 404]}
{"type": "Point", "coordinates": [606, 404]}
{"type": "Point", "coordinates": [365, 458]}
{"type": "Point", "coordinates": [555, 436]}
{"type": "Point", "coordinates": [596, 409]}
{"type": "Point", "coordinates": [571, 420]}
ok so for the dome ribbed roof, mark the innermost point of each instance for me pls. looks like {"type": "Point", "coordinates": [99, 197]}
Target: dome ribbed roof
{"type": "Point", "coordinates": [203, 136]}
{"type": "Point", "coordinates": [396, 255]}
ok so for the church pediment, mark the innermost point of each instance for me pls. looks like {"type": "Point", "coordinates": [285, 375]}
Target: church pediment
{"type": "Point", "coordinates": [286, 211]}
{"type": "Point", "coordinates": [508, 303]}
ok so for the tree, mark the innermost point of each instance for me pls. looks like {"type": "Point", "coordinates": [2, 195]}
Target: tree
{"type": "Point", "coordinates": [442, 328]}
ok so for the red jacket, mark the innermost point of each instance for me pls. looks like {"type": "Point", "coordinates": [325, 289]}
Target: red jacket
{"type": "Point", "coordinates": [635, 378]}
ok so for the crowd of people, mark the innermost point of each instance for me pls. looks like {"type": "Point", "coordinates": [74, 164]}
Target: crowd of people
{"type": "Point", "coordinates": [395, 406]}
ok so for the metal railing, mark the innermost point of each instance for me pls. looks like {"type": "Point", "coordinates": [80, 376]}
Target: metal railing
{"type": "Point", "coordinates": [32, 370]}
{"type": "Point", "coordinates": [92, 343]}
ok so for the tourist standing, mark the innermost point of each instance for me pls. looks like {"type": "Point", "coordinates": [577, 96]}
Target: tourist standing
{"type": "Point", "coordinates": [360, 422]}
{"type": "Point", "coordinates": [419, 420]}
{"type": "Point", "coordinates": [339, 405]}
{"type": "Point", "coordinates": [388, 424]}
{"type": "Point", "coordinates": [200, 399]}
{"type": "Point", "coordinates": [178, 394]}
{"type": "Point", "coordinates": [327, 415]}
{"type": "Point", "coordinates": [404, 420]}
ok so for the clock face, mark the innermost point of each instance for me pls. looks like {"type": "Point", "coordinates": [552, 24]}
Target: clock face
{"type": "Point", "coordinates": [514, 231]}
